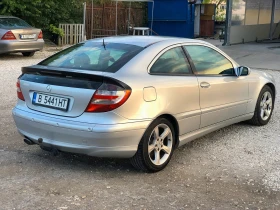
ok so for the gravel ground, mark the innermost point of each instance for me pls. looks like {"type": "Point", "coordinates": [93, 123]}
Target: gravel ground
{"type": "Point", "coordinates": [234, 168]}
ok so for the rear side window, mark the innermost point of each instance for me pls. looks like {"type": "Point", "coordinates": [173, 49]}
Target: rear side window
{"type": "Point", "coordinates": [209, 62]}
{"type": "Point", "coordinates": [94, 56]}
{"type": "Point", "coordinates": [13, 23]}
{"type": "Point", "coordinates": [172, 61]}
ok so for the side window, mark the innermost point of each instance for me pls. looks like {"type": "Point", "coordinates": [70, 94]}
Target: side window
{"type": "Point", "coordinates": [209, 62]}
{"type": "Point", "coordinates": [172, 61]}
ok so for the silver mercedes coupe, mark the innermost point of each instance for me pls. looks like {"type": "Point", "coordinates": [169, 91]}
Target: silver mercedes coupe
{"type": "Point", "coordinates": [137, 97]}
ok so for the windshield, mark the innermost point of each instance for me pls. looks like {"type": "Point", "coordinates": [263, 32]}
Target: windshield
{"type": "Point", "coordinates": [95, 56]}
{"type": "Point", "coordinates": [13, 23]}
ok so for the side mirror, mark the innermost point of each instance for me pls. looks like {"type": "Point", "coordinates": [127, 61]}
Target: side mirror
{"type": "Point", "coordinates": [242, 71]}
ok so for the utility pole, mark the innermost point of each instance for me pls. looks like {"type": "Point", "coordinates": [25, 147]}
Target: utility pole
{"type": "Point", "coordinates": [116, 18]}
{"type": "Point", "coordinates": [91, 29]}
{"type": "Point", "coordinates": [84, 38]}
{"type": "Point", "coordinates": [272, 19]}
{"type": "Point", "coordinates": [228, 23]}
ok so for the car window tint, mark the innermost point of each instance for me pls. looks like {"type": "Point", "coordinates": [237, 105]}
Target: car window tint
{"type": "Point", "coordinates": [209, 62]}
{"type": "Point", "coordinates": [115, 55]}
{"type": "Point", "coordinates": [172, 61]}
{"type": "Point", "coordinates": [94, 56]}
{"type": "Point", "coordinates": [13, 23]}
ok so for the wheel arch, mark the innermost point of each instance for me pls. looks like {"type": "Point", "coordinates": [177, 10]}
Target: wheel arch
{"type": "Point", "coordinates": [257, 119]}
{"type": "Point", "coordinates": [273, 88]}
{"type": "Point", "coordinates": [175, 124]}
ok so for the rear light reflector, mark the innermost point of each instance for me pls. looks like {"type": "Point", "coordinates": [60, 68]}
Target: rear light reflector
{"type": "Point", "coordinates": [19, 93]}
{"type": "Point", "coordinates": [108, 97]}
{"type": "Point", "coordinates": [40, 36]}
{"type": "Point", "coordinates": [8, 36]}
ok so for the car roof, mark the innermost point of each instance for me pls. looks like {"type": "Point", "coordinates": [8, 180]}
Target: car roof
{"type": "Point", "coordinates": [143, 41]}
{"type": "Point", "coordinates": [5, 16]}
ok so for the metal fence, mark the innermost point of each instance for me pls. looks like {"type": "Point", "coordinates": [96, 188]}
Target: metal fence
{"type": "Point", "coordinates": [73, 34]}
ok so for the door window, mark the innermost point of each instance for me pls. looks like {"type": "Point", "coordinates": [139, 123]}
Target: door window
{"type": "Point", "coordinates": [209, 62]}
{"type": "Point", "coordinates": [173, 61]}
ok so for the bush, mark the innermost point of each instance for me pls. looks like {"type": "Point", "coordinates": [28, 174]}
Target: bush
{"type": "Point", "coordinates": [42, 13]}
{"type": "Point", "coordinates": [58, 31]}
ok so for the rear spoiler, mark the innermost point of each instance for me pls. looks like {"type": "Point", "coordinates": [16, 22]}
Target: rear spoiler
{"type": "Point", "coordinates": [60, 77]}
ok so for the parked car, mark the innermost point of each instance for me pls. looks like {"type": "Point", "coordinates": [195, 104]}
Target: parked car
{"type": "Point", "coordinates": [18, 36]}
{"type": "Point", "coordinates": [137, 97]}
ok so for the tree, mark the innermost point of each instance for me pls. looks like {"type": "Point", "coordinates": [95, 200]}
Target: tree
{"type": "Point", "coordinates": [220, 13]}
{"type": "Point", "coordinates": [217, 2]}
{"type": "Point", "coordinates": [42, 13]}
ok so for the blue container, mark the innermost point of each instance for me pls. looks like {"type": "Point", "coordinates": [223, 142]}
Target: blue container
{"type": "Point", "coordinates": [172, 18]}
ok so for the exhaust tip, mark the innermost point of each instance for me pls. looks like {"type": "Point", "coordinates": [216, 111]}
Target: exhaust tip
{"type": "Point", "coordinates": [28, 141]}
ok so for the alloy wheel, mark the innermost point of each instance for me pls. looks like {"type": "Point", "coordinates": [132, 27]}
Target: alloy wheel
{"type": "Point", "coordinates": [266, 106]}
{"type": "Point", "coordinates": [160, 144]}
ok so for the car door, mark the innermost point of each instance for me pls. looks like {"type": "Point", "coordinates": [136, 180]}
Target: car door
{"type": "Point", "coordinates": [177, 88]}
{"type": "Point", "coordinates": [223, 95]}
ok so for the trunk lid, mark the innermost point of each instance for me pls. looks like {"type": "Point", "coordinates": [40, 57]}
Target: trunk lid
{"type": "Point", "coordinates": [78, 88]}
{"type": "Point", "coordinates": [22, 30]}
{"type": "Point", "coordinates": [26, 34]}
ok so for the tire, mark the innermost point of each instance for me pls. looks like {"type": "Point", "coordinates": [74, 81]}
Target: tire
{"type": "Point", "coordinates": [263, 111]}
{"type": "Point", "coordinates": [28, 54]}
{"type": "Point", "coordinates": [161, 147]}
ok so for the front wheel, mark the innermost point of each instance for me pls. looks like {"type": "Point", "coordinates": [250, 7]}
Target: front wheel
{"type": "Point", "coordinates": [156, 147]}
{"type": "Point", "coordinates": [264, 107]}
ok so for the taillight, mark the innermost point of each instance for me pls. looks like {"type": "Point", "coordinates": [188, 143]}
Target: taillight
{"type": "Point", "coordinates": [19, 93]}
{"type": "Point", "coordinates": [40, 36]}
{"type": "Point", "coordinates": [8, 36]}
{"type": "Point", "coordinates": [108, 97]}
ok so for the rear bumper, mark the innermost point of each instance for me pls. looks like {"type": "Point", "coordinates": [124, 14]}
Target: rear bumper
{"type": "Point", "coordinates": [119, 140]}
{"type": "Point", "coordinates": [17, 46]}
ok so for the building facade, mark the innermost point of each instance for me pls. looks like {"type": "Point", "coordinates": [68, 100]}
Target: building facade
{"type": "Point", "coordinates": [252, 20]}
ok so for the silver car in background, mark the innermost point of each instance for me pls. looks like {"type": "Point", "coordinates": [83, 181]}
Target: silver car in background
{"type": "Point", "coordinates": [137, 97]}
{"type": "Point", "coordinates": [18, 36]}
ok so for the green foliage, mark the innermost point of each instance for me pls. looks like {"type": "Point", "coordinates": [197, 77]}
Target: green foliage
{"type": "Point", "coordinates": [217, 2]}
{"type": "Point", "coordinates": [220, 17]}
{"type": "Point", "coordinates": [53, 29]}
{"type": "Point", "coordinates": [207, 1]}
{"type": "Point", "coordinates": [220, 14]}
{"type": "Point", "coordinates": [42, 13]}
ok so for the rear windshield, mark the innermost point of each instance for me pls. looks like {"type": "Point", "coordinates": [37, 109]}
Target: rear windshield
{"type": "Point", "coordinates": [95, 56]}
{"type": "Point", "coordinates": [13, 23]}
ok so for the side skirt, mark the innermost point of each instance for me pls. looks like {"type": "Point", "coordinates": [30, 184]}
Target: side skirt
{"type": "Point", "coordinates": [203, 131]}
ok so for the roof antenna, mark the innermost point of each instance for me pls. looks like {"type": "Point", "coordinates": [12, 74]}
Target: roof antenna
{"type": "Point", "coordinates": [104, 44]}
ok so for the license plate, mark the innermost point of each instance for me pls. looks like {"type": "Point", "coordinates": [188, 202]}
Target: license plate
{"type": "Point", "coordinates": [27, 36]}
{"type": "Point", "coordinates": [50, 101]}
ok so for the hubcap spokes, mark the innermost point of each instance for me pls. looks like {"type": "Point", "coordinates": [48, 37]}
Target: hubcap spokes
{"type": "Point", "coordinates": [160, 144]}
{"type": "Point", "coordinates": [266, 106]}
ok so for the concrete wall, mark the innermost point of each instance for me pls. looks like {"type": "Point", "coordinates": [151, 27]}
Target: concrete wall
{"type": "Point", "coordinates": [251, 32]}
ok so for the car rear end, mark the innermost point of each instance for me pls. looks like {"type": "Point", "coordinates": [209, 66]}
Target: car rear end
{"type": "Point", "coordinates": [17, 36]}
{"type": "Point", "coordinates": [67, 102]}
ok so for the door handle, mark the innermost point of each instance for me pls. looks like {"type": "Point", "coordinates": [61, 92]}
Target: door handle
{"type": "Point", "coordinates": [205, 85]}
